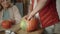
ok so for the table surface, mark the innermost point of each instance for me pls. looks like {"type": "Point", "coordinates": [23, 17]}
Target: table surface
{"type": "Point", "coordinates": [16, 28]}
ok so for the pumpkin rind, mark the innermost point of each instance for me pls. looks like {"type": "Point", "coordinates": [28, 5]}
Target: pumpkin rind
{"type": "Point", "coordinates": [23, 25]}
{"type": "Point", "coordinates": [29, 25]}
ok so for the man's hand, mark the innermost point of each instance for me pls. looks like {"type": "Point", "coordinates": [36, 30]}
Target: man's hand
{"type": "Point", "coordinates": [30, 15]}
{"type": "Point", "coordinates": [25, 17]}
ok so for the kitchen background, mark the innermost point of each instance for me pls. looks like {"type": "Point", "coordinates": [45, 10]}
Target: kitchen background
{"type": "Point", "coordinates": [23, 8]}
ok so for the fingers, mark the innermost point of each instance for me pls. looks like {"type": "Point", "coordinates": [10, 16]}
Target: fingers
{"type": "Point", "coordinates": [29, 18]}
{"type": "Point", "coordinates": [25, 17]}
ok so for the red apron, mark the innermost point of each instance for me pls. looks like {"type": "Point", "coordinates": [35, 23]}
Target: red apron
{"type": "Point", "coordinates": [48, 15]}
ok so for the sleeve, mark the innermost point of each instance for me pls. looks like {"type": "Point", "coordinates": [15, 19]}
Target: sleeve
{"type": "Point", "coordinates": [1, 14]}
{"type": "Point", "coordinates": [17, 15]}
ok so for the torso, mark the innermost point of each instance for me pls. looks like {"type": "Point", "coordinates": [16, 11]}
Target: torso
{"type": "Point", "coordinates": [48, 15]}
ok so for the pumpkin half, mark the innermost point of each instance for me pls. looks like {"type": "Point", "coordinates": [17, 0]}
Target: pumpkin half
{"type": "Point", "coordinates": [29, 25]}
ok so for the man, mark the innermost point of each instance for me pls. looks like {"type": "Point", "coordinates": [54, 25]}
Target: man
{"type": "Point", "coordinates": [47, 12]}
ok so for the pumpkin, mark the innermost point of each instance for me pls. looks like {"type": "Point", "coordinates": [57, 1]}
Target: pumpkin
{"type": "Point", "coordinates": [6, 24]}
{"type": "Point", "coordinates": [29, 25]}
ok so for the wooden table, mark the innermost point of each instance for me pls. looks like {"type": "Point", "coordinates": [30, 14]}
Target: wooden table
{"type": "Point", "coordinates": [16, 28]}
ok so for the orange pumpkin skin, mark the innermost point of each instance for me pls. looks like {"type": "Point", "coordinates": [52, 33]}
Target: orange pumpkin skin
{"type": "Point", "coordinates": [31, 24]}
{"type": "Point", "coordinates": [6, 24]}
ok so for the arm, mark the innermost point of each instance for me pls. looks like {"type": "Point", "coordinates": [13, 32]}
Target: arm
{"type": "Point", "coordinates": [39, 6]}
{"type": "Point", "coordinates": [30, 7]}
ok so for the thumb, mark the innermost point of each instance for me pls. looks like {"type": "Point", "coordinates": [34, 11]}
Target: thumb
{"type": "Point", "coordinates": [29, 18]}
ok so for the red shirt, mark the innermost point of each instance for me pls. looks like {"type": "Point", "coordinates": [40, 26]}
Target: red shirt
{"type": "Point", "coordinates": [48, 14]}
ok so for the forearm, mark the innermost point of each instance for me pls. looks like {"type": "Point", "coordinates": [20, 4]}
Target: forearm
{"type": "Point", "coordinates": [39, 6]}
{"type": "Point", "coordinates": [30, 8]}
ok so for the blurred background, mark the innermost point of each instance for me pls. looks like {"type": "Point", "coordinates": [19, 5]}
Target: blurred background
{"type": "Point", "coordinates": [23, 8]}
